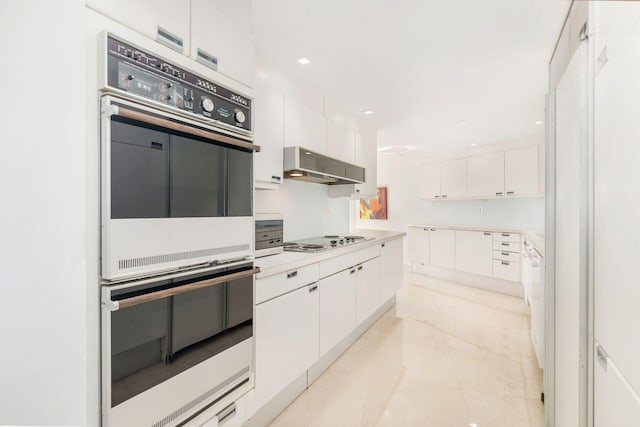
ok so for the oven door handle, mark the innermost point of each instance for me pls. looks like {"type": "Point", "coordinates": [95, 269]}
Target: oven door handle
{"type": "Point", "coordinates": [191, 130]}
{"type": "Point", "coordinates": [153, 296]}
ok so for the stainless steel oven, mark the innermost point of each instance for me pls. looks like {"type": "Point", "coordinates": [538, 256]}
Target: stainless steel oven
{"type": "Point", "coordinates": [177, 166]}
{"type": "Point", "coordinates": [176, 344]}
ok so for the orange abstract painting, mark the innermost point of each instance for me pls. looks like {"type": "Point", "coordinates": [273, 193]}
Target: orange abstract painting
{"type": "Point", "coordinates": [375, 208]}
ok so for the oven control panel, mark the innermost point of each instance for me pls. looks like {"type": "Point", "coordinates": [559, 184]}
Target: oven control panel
{"type": "Point", "coordinates": [133, 70]}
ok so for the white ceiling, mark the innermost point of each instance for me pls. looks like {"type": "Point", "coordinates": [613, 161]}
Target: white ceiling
{"type": "Point", "coordinates": [438, 74]}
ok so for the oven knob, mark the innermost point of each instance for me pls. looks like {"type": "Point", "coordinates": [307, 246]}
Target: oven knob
{"type": "Point", "coordinates": [130, 77]}
{"type": "Point", "coordinates": [240, 117]}
{"type": "Point", "coordinates": [207, 104]}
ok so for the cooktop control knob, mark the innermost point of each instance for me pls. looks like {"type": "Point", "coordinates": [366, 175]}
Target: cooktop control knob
{"type": "Point", "coordinates": [207, 104]}
{"type": "Point", "coordinates": [240, 117]}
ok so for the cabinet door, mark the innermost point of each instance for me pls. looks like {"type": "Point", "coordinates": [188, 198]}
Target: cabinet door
{"type": "Point", "coordinates": [286, 331]}
{"type": "Point", "coordinates": [442, 247]}
{"type": "Point", "coordinates": [390, 268]}
{"type": "Point", "coordinates": [214, 34]}
{"type": "Point", "coordinates": [368, 294]}
{"type": "Point", "coordinates": [148, 16]}
{"type": "Point", "coordinates": [615, 402]}
{"type": "Point", "coordinates": [454, 178]}
{"type": "Point", "coordinates": [486, 175]}
{"type": "Point", "coordinates": [341, 141]}
{"type": "Point", "coordinates": [338, 302]}
{"type": "Point", "coordinates": [303, 126]}
{"type": "Point", "coordinates": [521, 171]}
{"type": "Point", "coordinates": [367, 157]}
{"type": "Point", "coordinates": [430, 181]}
{"type": "Point", "coordinates": [418, 244]}
{"type": "Point", "coordinates": [268, 113]}
{"type": "Point", "coordinates": [474, 251]}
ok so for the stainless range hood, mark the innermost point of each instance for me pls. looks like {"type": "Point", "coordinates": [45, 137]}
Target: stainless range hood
{"type": "Point", "coordinates": [307, 165]}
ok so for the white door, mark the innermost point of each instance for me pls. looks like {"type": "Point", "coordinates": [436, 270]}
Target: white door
{"type": "Point", "coordinates": [341, 141]}
{"type": "Point", "coordinates": [442, 247]}
{"type": "Point", "coordinates": [429, 185]}
{"type": "Point", "coordinates": [474, 251]}
{"type": "Point", "coordinates": [369, 292]}
{"type": "Point", "coordinates": [304, 126]}
{"type": "Point", "coordinates": [338, 302]}
{"type": "Point", "coordinates": [418, 244]}
{"type": "Point", "coordinates": [215, 34]}
{"type": "Point", "coordinates": [454, 178]}
{"type": "Point", "coordinates": [617, 205]}
{"type": "Point", "coordinates": [156, 19]}
{"type": "Point", "coordinates": [485, 175]}
{"type": "Point", "coordinates": [268, 119]}
{"type": "Point", "coordinates": [390, 268]}
{"type": "Point", "coordinates": [286, 336]}
{"type": "Point", "coordinates": [521, 171]}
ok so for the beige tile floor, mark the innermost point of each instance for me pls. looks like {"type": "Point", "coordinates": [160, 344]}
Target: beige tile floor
{"type": "Point", "coordinates": [445, 355]}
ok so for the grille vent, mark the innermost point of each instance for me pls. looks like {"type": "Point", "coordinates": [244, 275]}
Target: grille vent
{"type": "Point", "coordinates": [198, 400]}
{"type": "Point", "coordinates": [125, 264]}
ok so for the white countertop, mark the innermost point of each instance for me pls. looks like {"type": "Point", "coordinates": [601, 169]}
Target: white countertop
{"type": "Point", "coordinates": [285, 261]}
{"type": "Point", "coordinates": [533, 236]}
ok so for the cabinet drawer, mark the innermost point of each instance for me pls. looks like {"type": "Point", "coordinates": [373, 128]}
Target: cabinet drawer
{"type": "Point", "coordinates": [339, 263]}
{"type": "Point", "coordinates": [506, 256]}
{"type": "Point", "coordinates": [506, 246]}
{"type": "Point", "coordinates": [506, 270]}
{"type": "Point", "coordinates": [506, 237]}
{"type": "Point", "coordinates": [272, 286]}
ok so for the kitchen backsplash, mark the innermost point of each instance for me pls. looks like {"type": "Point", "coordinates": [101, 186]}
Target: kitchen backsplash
{"type": "Point", "coordinates": [306, 209]}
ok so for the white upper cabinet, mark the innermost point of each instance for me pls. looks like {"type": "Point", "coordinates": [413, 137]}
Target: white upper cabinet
{"type": "Point", "coordinates": [474, 250]}
{"type": "Point", "coordinates": [238, 10]}
{"type": "Point", "coordinates": [430, 181]}
{"type": "Point", "coordinates": [303, 126]}
{"type": "Point", "coordinates": [214, 34]}
{"type": "Point", "coordinates": [367, 157]}
{"type": "Point", "coordinates": [268, 119]}
{"type": "Point", "coordinates": [454, 178]}
{"type": "Point", "coordinates": [442, 248]}
{"type": "Point", "coordinates": [521, 171]}
{"type": "Point", "coordinates": [164, 20]}
{"type": "Point", "coordinates": [341, 141]}
{"type": "Point", "coordinates": [485, 175]}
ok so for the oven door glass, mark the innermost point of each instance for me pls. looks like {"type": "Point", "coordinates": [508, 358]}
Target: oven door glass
{"type": "Point", "coordinates": [160, 330]}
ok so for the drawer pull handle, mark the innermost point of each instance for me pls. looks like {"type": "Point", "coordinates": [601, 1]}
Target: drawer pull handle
{"type": "Point", "coordinates": [505, 263]}
{"type": "Point", "coordinates": [505, 234]}
{"type": "Point", "coordinates": [359, 268]}
{"type": "Point", "coordinates": [313, 288]}
{"type": "Point", "coordinates": [436, 196]}
{"type": "Point", "coordinates": [352, 271]}
{"type": "Point", "coordinates": [433, 229]}
{"type": "Point", "coordinates": [487, 234]}
{"type": "Point", "coordinates": [505, 253]}
{"type": "Point", "coordinates": [499, 194]}
{"type": "Point", "coordinates": [276, 178]}
{"type": "Point", "coordinates": [444, 195]}
{"type": "Point", "coordinates": [510, 192]}
{"type": "Point", "coordinates": [292, 274]}
{"type": "Point", "coordinates": [226, 414]}
{"type": "Point", "coordinates": [505, 244]}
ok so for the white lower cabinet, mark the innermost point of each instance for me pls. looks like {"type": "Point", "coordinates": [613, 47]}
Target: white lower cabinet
{"type": "Point", "coordinates": [442, 248]}
{"type": "Point", "coordinates": [506, 270]}
{"type": "Point", "coordinates": [286, 339]}
{"type": "Point", "coordinates": [390, 269]}
{"type": "Point", "coordinates": [338, 306]}
{"type": "Point", "coordinates": [419, 244]}
{"type": "Point", "coordinates": [474, 252]}
{"type": "Point", "coordinates": [368, 284]}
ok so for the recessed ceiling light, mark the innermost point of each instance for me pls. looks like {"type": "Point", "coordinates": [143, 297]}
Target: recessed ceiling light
{"type": "Point", "coordinates": [539, 122]}
{"type": "Point", "coordinates": [473, 145]}
{"type": "Point", "coordinates": [303, 61]}
{"type": "Point", "coordinates": [367, 112]}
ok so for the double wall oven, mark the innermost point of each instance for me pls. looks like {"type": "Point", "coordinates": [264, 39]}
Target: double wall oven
{"type": "Point", "coordinates": [177, 239]}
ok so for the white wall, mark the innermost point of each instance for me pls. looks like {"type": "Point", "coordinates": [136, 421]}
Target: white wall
{"type": "Point", "coordinates": [43, 239]}
{"type": "Point", "coordinates": [306, 208]}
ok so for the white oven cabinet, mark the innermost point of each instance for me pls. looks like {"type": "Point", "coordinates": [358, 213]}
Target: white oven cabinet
{"type": "Point", "coordinates": [453, 179]}
{"type": "Point", "coordinates": [268, 121]}
{"type": "Point", "coordinates": [429, 186]}
{"type": "Point", "coordinates": [367, 157]}
{"type": "Point", "coordinates": [521, 172]}
{"type": "Point", "coordinates": [485, 175]}
{"type": "Point", "coordinates": [148, 16]}
{"type": "Point", "coordinates": [368, 292]}
{"type": "Point", "coordinates": [338, 306]}
{"type": "Point", "coordinates": [287, 337]}
{"type": "Point", "coordinates": [217, 34]}
{"type": "Point", "coordinates": [390, 268]}
{"type": "Point", "coordinates": [341, 140]}
{"type": "Point", "coordinates": [304, 126]}
{"type": "Point", "coordinates": [442, 247]}
{"type": "Point", "coordinates": [474, 250]}
{"type": "Point", "coordinates": [418, 244]}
